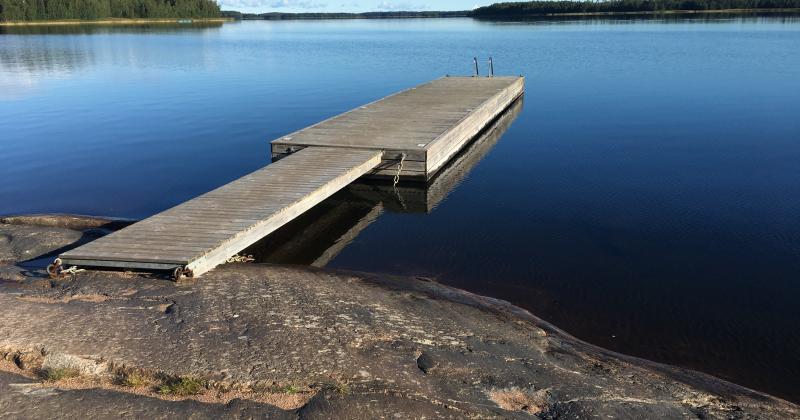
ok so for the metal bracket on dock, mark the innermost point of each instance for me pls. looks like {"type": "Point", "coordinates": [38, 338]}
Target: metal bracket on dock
{"type": "Point", "coordinates": [475, 60]}
{"type": "Point", "coordinates": [491, 67]}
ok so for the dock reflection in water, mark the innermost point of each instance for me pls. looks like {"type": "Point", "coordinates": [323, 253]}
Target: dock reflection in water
{"type": "Point", "coordinates": [318, 236]}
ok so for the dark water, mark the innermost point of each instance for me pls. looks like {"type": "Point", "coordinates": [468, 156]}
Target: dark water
{"type": "Point", "coordinates": [644, 197]}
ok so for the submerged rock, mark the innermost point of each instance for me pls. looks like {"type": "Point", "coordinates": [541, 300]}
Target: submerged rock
{"type": "Point", "coordinates": [257, 340]}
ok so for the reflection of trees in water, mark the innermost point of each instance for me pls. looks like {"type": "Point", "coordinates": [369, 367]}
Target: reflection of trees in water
{"type": "Point", "coordinates": [25, 62]}
{"type": "Point", "coordinates": [28, 59]}
{"type": "Point", "coordinates": [108, 29]}
{"type": "Point", "coordinates": [66, 54]}
{"type": "Point", "coordinates": [35, 58]}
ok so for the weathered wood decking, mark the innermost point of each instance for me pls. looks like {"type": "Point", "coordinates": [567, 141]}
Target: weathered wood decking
{"type": "Point", "coordinates": [202, 233]}
{"type": "Point", "coordinates": [319, 235]}
{"type": "Point", "coordinates": [428, 124]}
{"type": "Point", "coordinates": [424, 127]}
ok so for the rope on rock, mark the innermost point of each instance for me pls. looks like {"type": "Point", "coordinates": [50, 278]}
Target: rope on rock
{"type": "Point", "coordinates": [241, 259]}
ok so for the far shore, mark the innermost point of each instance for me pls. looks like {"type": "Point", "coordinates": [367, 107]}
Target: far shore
{"type": "Point", "coordinates": [509, 16]}
{"type": "Point", "coordinates": [637, 13]}
{"type": "Point", "coordinates": [349, 16]}
{"type": "Point", "coordinates": [658, 12]}
{"type": "Point", "coordinates": [115, 21]}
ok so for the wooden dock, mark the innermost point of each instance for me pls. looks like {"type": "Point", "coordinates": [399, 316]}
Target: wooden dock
{"type": "Point", "coordinates": [319, 235]}
{"type": "Point", "coordinates": [415, 131]}
{"type": "Point", "coordinates": [426, 124]}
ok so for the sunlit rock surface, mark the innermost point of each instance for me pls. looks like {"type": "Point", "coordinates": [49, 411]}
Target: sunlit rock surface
{"type": "Point", "coordinates": [310, 343]}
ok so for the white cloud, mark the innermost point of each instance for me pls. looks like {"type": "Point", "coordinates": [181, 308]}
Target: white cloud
{"type": "Point", "coordinates": [399, 6]}
{"type": "Point", "coordinates": [272, 4]}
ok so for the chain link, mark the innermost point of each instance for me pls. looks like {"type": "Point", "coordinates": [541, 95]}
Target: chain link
{"type": "Point", "coordinates": [399, 169]}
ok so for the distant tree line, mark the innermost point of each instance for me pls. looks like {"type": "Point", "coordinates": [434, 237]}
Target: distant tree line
{"type": "Point", "coordinates": [623, 6]}
{"type": "Point", "coordinates": [22, 10]}
{"type": "Point", "coordinates": [546, 7]}
{"type": "Point", "coordinates": [366, 15]}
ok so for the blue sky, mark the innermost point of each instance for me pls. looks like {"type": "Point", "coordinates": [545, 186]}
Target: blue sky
{"type": "Point", "coordinates": [348, 5]}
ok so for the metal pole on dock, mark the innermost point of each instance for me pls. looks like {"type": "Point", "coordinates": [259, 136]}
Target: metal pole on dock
{"type": "Point", "coordinates": [475, 60]}
{"type": "Point", "coordinates": [491, 67]}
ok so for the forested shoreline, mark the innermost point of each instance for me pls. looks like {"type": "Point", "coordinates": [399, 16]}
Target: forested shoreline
{"type": "Point", "coordinates": [534, 8]}
{"type": "Point", "coordinates": [46, 10]}
{"type": "Point", "coordinates": [365, 15]}
{"type": "Point", "coordinates": [545, 8]}
{"type": "Point", "coordinates": [41, 10]}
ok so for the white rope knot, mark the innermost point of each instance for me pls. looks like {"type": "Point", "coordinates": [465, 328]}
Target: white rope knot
{"type": "Point", "coordinates": [72, 270]}
{"type": "Point", "coordinates": [241, 259]}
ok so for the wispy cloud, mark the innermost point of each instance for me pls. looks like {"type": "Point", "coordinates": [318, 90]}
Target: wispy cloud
{"type": "Point", "coordinates": [272, 4]}
{"type": "Point", "coordinates": [399, 6]}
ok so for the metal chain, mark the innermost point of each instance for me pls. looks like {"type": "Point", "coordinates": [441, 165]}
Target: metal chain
{"type": "Point", "coordinates": [399, 169]}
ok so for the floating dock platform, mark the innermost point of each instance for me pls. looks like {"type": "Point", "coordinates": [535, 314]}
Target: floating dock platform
{"type": "Point", "coordinates": [411, 134]}
{"type": "Point", "coordinates": [424, 126]}
{"type": "Point", "coordinates": [319, 235]}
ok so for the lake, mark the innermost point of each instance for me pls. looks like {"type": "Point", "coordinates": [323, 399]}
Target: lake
{"type": "Point", "coordinates": [645, 195]}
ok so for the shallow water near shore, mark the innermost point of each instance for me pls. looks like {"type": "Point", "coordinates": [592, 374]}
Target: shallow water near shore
{"type": "Point", "coordinates": [645, 197]}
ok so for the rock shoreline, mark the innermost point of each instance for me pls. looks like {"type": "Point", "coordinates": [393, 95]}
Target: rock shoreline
{"type": "Point", "coordinates": [249, 340]}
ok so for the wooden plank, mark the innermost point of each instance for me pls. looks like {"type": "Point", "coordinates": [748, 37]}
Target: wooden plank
{"type": "Point", "coordinates": [249, 208]}
{"type": "Point", "coordinates": [140, 265]}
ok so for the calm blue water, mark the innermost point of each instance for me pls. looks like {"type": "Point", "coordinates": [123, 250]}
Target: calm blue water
{"type": "Point", "coordinates": [646, 198]}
